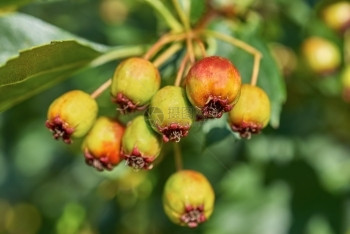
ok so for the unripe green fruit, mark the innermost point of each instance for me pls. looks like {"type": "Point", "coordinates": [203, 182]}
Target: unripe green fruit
{"type": "Point", "coordinates": [251, 113]}
{"type": "Point", "coordinates": [170, 113]}
{"type": "Point", "coordinates": [188, 198]}
{"type": "Point", "coordinates": [322, 56]}
{"type": "Point", "coordinates": [285, 58]}
{"type": "Point", "coordinates": [101, 146]}
{"type": "Point", "coordinates": [140, 144]}
{"type": "Point", "coordinates": [71, 115]}
{"type": "Point", "coordinates": [345, 79]}
{"type": "Point", "coordinates": [134, 83]}
{"type": "Point", "coordinates": [337, 16]}
{"type": "Point", "coordinates": [213, 86]}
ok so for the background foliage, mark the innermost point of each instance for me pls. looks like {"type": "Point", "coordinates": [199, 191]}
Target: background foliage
{"type": "Point", "coordinates": [293, 178]}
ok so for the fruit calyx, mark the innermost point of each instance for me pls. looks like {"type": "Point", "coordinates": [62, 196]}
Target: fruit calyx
{"type": "Point", "coordinates": [246, 130]}
{"type": "Point", "coordinates": [100, 164]}
{"type": "Point", "coordinates": [215, 108]}
{"type": "Point", "coordinates": [193, 216]}
{"type": "Point", "coordinates": [174, 132]}
{"type": "Point", "coordinates": [126, 105]}
{"type": "Point", "coordinates": [60, 129]}
{"type": "Point", "coordinates": [137, 161]}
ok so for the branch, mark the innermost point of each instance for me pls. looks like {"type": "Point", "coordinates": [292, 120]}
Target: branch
{"type": "Point", "coordinates": [167, 54]}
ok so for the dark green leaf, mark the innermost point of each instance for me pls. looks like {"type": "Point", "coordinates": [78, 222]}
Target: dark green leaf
{"type": "Point", "coordinates": [13, 3]}
{"type": "Point", "coordinates": [197, 10]}
{"type": "Point", "coordinates": [39, 68]}
{"type": "Point", "coordinates": [29, 32]}
{"type": "Point", "coordinates": [215, 131]}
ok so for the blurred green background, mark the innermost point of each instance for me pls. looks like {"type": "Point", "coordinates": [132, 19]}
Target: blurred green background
{"type": "Point", "coordinates": [292, 179]}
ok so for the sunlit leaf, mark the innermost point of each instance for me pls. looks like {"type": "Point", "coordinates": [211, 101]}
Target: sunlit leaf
{"type": "Point", "coordinates": [39, 68]}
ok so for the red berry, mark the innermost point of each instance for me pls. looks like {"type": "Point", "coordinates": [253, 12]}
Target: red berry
{"type": "Point", "coordinates": [213, 86]}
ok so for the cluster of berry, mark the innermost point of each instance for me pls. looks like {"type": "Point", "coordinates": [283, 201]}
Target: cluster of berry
{"type": "Point", "coordinates": [212, 87]}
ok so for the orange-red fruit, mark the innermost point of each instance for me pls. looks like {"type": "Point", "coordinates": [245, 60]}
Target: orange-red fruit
{"type": "Point", "coordinates": [251, 113]}
{"type": "Point", "coordinates": [213, 86]}
{"type": "Point", "coordinates": [322, 56]}
{"type": "Point", "coordinates": [71, 115]}
{"type": "Point", "coordinates": [101, 146]}
{"type": "Point", "coordinates": [188, 198]}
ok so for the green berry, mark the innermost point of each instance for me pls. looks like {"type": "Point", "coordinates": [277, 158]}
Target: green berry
{"type": "Point", "coordinates": [188, 198]}
{"type": "Point", "coordinates": [321, 55]}
{"type": "Point", "coordinates": [251, 113]}
{"type": "Point", "coordinates": [71, 115]}
{"type": "Point", "coordinates": [337, 16]}
{"type": "Point", "coordinates": [134, 83]}
{"type": "Point", "coordinates": [170, 113]}
{"type": "Point", "coordinates": [140, 144]}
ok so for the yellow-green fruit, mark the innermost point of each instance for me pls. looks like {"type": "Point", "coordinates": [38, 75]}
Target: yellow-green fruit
{"type": "Point", "coordinates": [188, 198]}
{"type": "Point", "coordinates": [321, 55]}
{"type": "Point", "coordinates": [170, 113]}
{"type": "Point", "coordinates": [71, 115]}
{"type": "Point", "coordinates": [101, 146]}
{"type": "Point", "coordinates": [251, 113]}
{"type": "Point", "coordinates": [140, 144]}
{"type": "Point", "coordinates": [134, 83]}
{"type": "Point", "coordinates": [345, 79]}
{"type": "Point", "coordinates": [337, 15]}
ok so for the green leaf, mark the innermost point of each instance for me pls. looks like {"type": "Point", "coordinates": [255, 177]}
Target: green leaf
{"type": "Point", "coordinates": [39, 68]}
{"type": "Point", "coordinates": [215, 130]}
{"type": "Point", "coordinates": [40, 64]}
{"type": "Point", "coordinates": [20, 31]}
{"type": "Point", "coordinates": [13, 3]}
{"type": "Point", "coordinates": [198, 8]}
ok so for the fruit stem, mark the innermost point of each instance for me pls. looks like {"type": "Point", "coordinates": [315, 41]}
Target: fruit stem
{"type": "Point", "coordinates": [201, 47]}
{"type": "Point", "coordinates": [179, 74]}
{"type": "Point", "coordinates": [256, 67]}
{"type": "Point", "coordinates": [118, 53]}
{"type": "Point", "coordinates": [166, 14]}
{"type": "Point", "coordinates": [165, 39]}
{"type": "Point", "coordinates": [101, 89]}
{"type": "Point", "coordinates": [189, 46]}
{"type": "Point", "coordinates": [178, 157]}
{"type": "Point", "coordinates": [167, 54]}
{"type": "Point", "coordinates": [183, 16]}
{"type": "Point", "coordinates": [244, 46]}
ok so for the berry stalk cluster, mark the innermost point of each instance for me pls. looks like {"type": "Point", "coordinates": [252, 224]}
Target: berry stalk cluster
{"type": "Point", "coordinates": [205, 87]}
